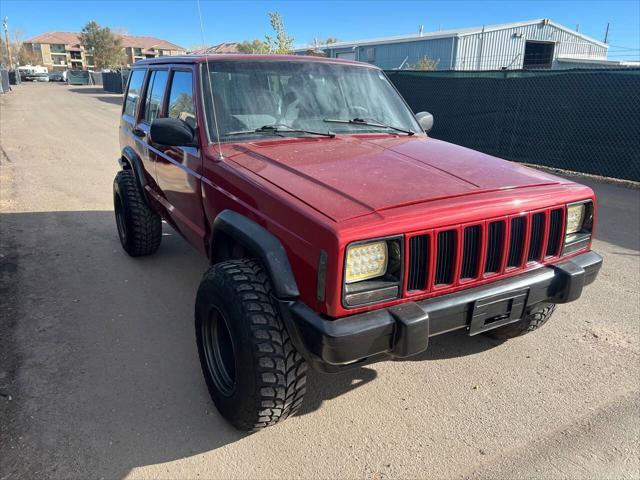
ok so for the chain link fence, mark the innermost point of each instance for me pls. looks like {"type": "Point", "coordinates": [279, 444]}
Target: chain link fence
{"type": "Point", "coordinates": [580, 120]}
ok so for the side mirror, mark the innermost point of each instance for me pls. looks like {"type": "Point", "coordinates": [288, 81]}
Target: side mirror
{"type": "Point", "coordinates": [425, 119]}
{"type": "Point", "coordinates": [173, 132]}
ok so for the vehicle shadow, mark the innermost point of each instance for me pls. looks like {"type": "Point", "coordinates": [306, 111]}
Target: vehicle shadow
{"type": "Point", "coordinates": [99, 94]}
{"type": "Point", "coordinates": [116, 99]}
{"type": "Point", "coordinates": [107, 369]}
{"type": "Point", "coordinates": [91, 90]}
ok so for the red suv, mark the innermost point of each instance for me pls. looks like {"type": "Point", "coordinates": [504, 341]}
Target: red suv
{"type": "Point", "coordinates": [338, 232]}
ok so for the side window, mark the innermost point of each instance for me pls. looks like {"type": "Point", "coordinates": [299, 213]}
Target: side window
{"type": "Point", "coordinates": [135, 85]}
{"type": "Point", "coordinates": [181, 103]}
{"type": "Point", "coordinates": [155, 92]}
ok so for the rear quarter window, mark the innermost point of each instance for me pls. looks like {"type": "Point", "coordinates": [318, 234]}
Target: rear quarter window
{"type": "Point", "coordinates": [133, 92]}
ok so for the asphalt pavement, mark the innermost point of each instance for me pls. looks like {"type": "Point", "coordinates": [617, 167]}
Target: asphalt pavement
{"type": "Point", "coordinates": [99, 375]}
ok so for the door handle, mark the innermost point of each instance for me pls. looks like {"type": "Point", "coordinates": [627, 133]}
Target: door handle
{"type": "Point", "coordinates": [138, 132]}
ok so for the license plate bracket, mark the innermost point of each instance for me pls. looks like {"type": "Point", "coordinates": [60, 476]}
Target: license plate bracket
{"type": "Point", "coordinates": [497, 310]}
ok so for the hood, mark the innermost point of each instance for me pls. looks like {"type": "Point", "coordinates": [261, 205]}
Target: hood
{"type": "Point", "coordinates": [350, 176]}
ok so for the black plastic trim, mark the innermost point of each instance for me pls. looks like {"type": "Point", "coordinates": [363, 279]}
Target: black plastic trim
{"type": "Point", "coordinates": [332, 345]}
{"type": "Point", "coordinates": [321, 282]}
{"type": "Point", "coordinates": [137, 167]}
{"type": "Point", "coordinates": [264, 245]}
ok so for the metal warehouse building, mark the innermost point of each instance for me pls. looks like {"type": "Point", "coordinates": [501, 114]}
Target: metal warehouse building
{"type": "Point", "coordinates": [538, 43]}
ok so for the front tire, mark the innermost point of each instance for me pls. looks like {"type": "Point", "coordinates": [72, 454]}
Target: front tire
{"type": "Point", "coordinates": [139, 227]}
{"type": "Point", "coordinates": [253, 372]}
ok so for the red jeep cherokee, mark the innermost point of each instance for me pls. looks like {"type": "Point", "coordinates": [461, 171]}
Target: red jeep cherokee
{"type": "Point", "coordinates": [338, 232]}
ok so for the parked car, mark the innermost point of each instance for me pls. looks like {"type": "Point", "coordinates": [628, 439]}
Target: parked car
{"type": "Point", "coordinates": [58, 76]}
{"type": "Point", "coordinates": [338, 232]}
{"type": "Point", "coordinates": [36, 77]}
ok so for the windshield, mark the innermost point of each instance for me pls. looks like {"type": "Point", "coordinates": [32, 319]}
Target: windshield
{"type": "Point", "coordinates": [303, 96]}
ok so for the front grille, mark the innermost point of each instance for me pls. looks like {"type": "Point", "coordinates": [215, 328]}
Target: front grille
{"type": "Point", "coordinates": [516, 243]}
{"type": "Point", "coordinates": [418, 268]}
{"type": "Point", "coordinates": [495, 247]}
{"type": "Point", "coordinates": [446, 257]}
{"type": "Point", "coordinates": [529, 237]}
{"type": "Point", "coordinates": [555, 232]}
{"type": "Point", "coordinates": [471, 252]}
{"type": "Point", "coordinates": [536, 238]}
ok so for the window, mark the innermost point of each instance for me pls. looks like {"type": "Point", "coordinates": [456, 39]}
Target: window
{"type": "Point", "coordinates": [137, 52]}
{"type": "Point", "coordinates": [303, 95]}
{"type": "Point", "coordinates": [155, 92]}
{"type": "Point", "coordinates": [57, 48]}
{"type": "Point", "coordinates": [538, 54]}
{"type": "Point", "coordinates": [181, 98]}
{"type": "Point", "coordinates": [135, 85]}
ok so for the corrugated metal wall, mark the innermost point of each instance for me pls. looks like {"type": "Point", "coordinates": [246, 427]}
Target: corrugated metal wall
{"type": "Point", "coordinates": [393, 55]}
{"type": "Point", "coordinates": [500, 49]}
{"type": "Point", "coordinates": [493, 50]}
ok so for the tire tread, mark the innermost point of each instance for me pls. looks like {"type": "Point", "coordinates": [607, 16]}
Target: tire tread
{"type": "Point", "coordinates": [145, 225]}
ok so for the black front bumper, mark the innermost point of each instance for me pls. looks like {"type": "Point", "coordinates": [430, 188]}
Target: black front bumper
{"type": "Point", "coordinates": [331, 345]}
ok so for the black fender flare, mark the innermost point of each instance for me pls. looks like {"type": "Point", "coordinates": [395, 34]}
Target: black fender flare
{"type": "Point", "coordinates": [131, 158]}
{"type": "Point", "coordinates": [261, 243]}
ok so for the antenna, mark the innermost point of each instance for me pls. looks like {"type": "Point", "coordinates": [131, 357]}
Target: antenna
{"type": "Point", "coordinates": [213, 102]}
{"type": "Point", "coordinates": [606, 33]}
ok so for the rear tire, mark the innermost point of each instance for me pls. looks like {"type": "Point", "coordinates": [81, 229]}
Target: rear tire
{"type": "Point", "coordinates": [534, 320]}
{"type": "Point", "coordinates": [254, 374]}
{"type": "Point", "coordinates": [139, 227]}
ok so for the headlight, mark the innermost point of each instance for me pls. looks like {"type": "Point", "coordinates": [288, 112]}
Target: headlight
{"type": "Point", "coordinates": [579, 226]}
{"type": "Point", "coordinates": [366, 261]}
{"type": "Point", "coordinates": [372, 271]}
{"type": "Point", "coordinates": [575, 218]}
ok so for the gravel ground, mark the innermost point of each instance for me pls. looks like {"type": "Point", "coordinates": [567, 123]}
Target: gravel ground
{"type": "Point", "coordinates": [99, 376]}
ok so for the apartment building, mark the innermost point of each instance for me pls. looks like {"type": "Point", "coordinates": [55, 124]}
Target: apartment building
{"type": "Point", "coordinates": [63, 51]}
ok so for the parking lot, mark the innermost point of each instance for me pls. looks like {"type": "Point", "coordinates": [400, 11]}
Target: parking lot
{"type": "Point", "coordinates": [99, 374]}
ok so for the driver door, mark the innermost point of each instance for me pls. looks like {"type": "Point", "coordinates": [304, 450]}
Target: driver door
{"type": "Point", "coordinates": [179, 169]}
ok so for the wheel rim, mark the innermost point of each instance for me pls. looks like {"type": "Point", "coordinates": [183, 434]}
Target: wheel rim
{"type": "Point", "coordinates": [219, 351]}
{"type": "Point", "coordinates": [120, 221]}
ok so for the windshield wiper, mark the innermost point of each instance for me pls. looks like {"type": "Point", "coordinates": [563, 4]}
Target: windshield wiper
{"type": "Point", "coordinates": [361, 121]}
{"type": "Point", "coordinates": [279, 129]}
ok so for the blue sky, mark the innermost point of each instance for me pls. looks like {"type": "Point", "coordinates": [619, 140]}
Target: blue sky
{"type": "Point", "coordinates": [177, 21]}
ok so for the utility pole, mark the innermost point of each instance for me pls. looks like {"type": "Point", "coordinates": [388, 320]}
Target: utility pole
{"type": "Point", "coordinates": [5, 24]}
{"type": "Point", "coordinates": [606, 33]}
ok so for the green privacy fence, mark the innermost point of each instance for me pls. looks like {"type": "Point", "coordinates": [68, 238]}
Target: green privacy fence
{"type": "Point", "coordinates": [78, 77]}
{"type": "Point", "coordinates": [581, 120]}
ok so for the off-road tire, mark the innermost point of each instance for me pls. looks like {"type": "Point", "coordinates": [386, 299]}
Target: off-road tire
{"type": "Point", "coordinates": [534, 320]}
{"type": "Point", "coordinates": [269, 374]}
{"type": "Point", "coordinates": [139, 227]}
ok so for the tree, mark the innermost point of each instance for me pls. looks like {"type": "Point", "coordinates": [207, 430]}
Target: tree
{"type": "Point", "coordinates": [425, 63]}
{"type": "Point", "coordinates": [19, 53]}
{"type": "Point", "coordinates": [103, 44]}
{"type": "Point", "coordinates": [282, 44]}
{"type": "Point", "coordinates": [256, 46]}
{"type": "Point", "coordinates": [26, 56]}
